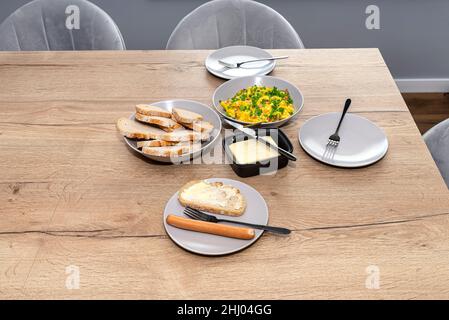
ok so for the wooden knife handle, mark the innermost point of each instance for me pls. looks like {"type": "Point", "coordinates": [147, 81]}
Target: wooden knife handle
{"type": "Point", "coordinates": [212, 228]}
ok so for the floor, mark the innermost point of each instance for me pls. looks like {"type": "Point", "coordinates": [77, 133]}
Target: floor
{"type": "Point", "coordinates": [427, 108]}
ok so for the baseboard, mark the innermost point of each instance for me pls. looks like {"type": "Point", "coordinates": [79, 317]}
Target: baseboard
{"type": "Point", "coordinates": [423, 85]}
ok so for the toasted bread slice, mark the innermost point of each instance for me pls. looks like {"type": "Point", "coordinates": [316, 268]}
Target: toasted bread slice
{"type": "Point", "coordinates": [172, 151]}
{"type": "Point", "coordinates": [185, 116]}
{"type": "Point", "coordinates": [168, 151]}
{"type": "Point", "coordinates": [165, 124]}
{"type": "Point", "coordinates": [214, 197]}
{"type": "Point", "coordinates": [150, 110]}
{"type": "Point", "coordinates": [199, 126]}
{"type": "Point", "coordinates": [205, 136]}
{"type": "Point", "coordinates": [181, 135]}
{"type": "Point", "coordinates": [135, 130]}
{"type": "Point", "coordinates": [155, 143]}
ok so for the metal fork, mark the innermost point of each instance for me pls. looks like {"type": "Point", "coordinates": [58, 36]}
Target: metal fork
{"type": "Point", "coordinates": [198, 215]}
{"type": "Point", "coordinates": [334, 139]}
{"type": "Point", "coordinates": [239, 64]}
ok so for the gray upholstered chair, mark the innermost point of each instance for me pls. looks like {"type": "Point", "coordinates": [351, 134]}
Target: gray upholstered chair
{"type": "Point", "coordinates": [222, 23]}
{"type": "Point", "coordinates": [437, 140]}
{"type": "Point", "coordinates": [41, 25]}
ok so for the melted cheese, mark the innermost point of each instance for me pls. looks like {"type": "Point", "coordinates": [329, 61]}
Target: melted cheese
{"type": "Point", "coordinates": [252, 151]}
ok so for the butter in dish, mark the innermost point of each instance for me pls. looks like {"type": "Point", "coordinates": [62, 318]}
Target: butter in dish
{"type": "Point", "coordinates": [250, 158]}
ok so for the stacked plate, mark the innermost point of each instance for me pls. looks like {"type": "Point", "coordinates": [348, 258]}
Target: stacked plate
{"type": "Point", "coordinates": [236, 54]}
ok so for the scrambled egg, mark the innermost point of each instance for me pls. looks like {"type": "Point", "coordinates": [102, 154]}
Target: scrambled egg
{"type": "Point", "coordinates": [259, 104]}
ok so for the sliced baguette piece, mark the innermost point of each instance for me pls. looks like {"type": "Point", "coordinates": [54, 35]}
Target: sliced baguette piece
{"type": "Point", "coordinates": [150, 110]}
{"type": "Point", "coordinates": [155, 143]}
{"type": "Point", "coordinates": [171, 151]}
{"type": "Point", "coordinates": [205, 136]}
{"type": "Point", "coordinates": [168, 151]}
{"type": "Point", "coordinates": [181, 135]}
{"type": "Point", "coordinates": [135, 130]}
{"type": "Point", "coordinates": [214, 197]}
{"type": "Point", "coordinates": [202, 136]}
{"type": "Point", "coordinates": [194, 146]}
{"type": "Point", "coordinates": [199, 126]}
{"type": "Point", "coordinates": [185, 116]}
{"type": "Point", "coordinates": [165, 124]}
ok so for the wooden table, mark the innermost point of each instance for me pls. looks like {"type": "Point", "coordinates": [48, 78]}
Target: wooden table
{"type": "Point", "coordinates": [73, 194]}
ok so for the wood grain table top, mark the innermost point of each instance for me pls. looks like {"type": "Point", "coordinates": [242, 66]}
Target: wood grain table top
{"type": "Point", "coordinates": [74, 196]}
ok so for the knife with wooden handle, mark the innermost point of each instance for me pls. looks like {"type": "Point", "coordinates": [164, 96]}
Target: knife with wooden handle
{"type": "Point", "coordinates": [211, 228]}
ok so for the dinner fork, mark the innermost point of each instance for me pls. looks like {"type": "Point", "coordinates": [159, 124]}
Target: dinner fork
{"type": "Point", "coordinates": [199, 215]}
{"type": "Point", "coordinates": [334, 139]}
{"type": "Point", "coordinates": [239, 64]}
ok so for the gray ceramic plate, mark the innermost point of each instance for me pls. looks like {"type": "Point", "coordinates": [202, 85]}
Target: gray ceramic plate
{"type": "Point", "coordinates": [361, 142]}
{"type": "Point", "coordinates": [212, 245]}
{"type": "Point", "coordinates": [236, 54]}
{"type": "Point", "coordinates": [228, 89]}
{"type": "Point", "coordinates": [208, 114]}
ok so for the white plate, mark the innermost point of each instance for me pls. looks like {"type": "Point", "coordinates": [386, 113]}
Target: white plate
{"type": "Point", "coordinates": [212, 245]}
{"type": "Point", "coordinates": [236, 54]}
{"type": "Point", "coordinates": [208, 114]}
{"type": "Point", "coordinates": [228, 89]}
{"type": "Point", "coordinates": [361, 142]}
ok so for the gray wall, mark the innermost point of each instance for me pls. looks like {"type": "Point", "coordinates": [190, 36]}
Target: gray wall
{"type": "Point", "coordinates": [414, 34]}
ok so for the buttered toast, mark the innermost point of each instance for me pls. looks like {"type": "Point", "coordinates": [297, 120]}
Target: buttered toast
{"type": "Point", "coordinates": [214, 197]}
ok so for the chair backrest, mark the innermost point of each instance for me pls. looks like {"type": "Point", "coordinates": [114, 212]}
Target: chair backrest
{"type": "Point", "coordinates": [437, 140]}
{"type": "Point", "coordinates": [41, 25]}
{"type": "Point", "coordinates": [222, 23]}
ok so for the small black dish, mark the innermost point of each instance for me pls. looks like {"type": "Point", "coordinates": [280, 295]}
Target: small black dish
{"type": "Point", "coordinates": [270, 165]}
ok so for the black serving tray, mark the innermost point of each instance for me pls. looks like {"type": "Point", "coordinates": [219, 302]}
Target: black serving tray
{"type": "Point", "coordinates": [270, 165]}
